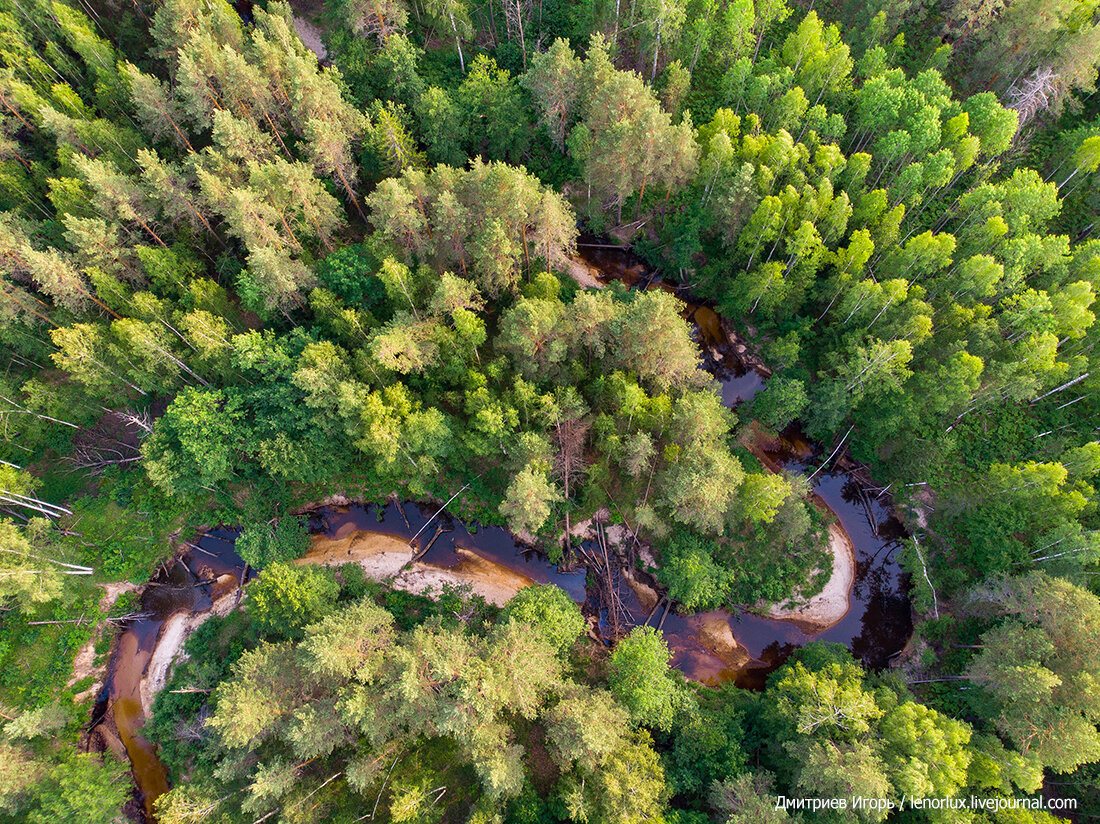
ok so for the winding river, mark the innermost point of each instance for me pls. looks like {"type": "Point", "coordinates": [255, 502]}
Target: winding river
{"type": "Point", "coordinates": [203, 579]}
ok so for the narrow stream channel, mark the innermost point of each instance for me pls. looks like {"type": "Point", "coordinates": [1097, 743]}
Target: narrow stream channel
{"type": "Point", "coordinates": [878, 623]}
{"type": "Point", "coordinates": [876, 627]}
{"type": "Point", "coordinates": [185, 586]}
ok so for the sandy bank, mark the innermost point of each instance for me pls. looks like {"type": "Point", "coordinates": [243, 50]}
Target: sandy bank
{"type": "Point", "coordinates": [829, 606]}
{"type": "Point", "coordinates": [381, 556]}
{"type": "Point", "coordinates": [716, 637]}
{"type": "Point", "coordinates": [174, 633]}
{"type": "Point", "coordinates": [311, 36]}
{"type": "Point", "coordinates": [584, 274]}
{"type": "Point", "coordinates": [826, 608]}
{"type": "Point", "coordinates": [389, 558]}
{"type": "Point", "coordinates": [647, 596]}
{"type": "Point", "coordinates": [492, 581]}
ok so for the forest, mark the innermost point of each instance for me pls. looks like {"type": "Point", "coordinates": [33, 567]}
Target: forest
{"type": "Point", "coordinates": [484, 271]}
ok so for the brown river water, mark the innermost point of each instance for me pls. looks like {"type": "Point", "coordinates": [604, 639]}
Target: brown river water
{"type": "Point", "coordinates": [876, 627]}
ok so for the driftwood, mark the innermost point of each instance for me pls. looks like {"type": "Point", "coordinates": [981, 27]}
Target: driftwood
{"type": "Point", "coordinates": [603, 568]}
{"type": "Point", "coordinates": [610, 583]}
{"type": "Point", "coordinates": [198, 548]}
{"type": "Point", "coordinates": [240, 585]}
{"type": "Point", "coordinates": [129, 616]}
{"type": "Point", "coordinates": [121, 619]}
{"type": "Point", "coordinates": [380, 791]}
{"type": "Point", "coordinates": [668, 606]}
{"type": "Point", "coordinates": [79, 620]}
{"type": "Point", "coordinates": [401, 509]}
{"type": "Point", "coordinates": [833, 453]}
{"type": "Point", "coordinates": [420, 553]}
{"type": "Point", "coordinates": [438, 511]}
{"type": "Point", "coordinates": [656, 606]}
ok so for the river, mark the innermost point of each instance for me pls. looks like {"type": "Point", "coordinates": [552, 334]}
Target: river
{"type": "Point", "coordinates": [184, 588]}
{"type": "Point", "coordinates": [876, 627]}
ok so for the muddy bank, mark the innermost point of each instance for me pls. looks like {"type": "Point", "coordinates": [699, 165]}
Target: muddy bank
{"type": "Point", "coordinates": [84, 664]}
{"type": "Point", "coordinates": [382, 557]}
{"type": "Point", "coordinates": [716, 636]}
{"type": "Point", "coordinates": [585, 274]}
{"type": "Point", "coordinates": [496, 564]}
{"type": "Point", "coordinates": [174, 634]}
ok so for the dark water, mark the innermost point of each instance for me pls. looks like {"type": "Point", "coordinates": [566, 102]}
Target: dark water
{"type": "Point", "coordinates": [493, 543]}
{"type": "Point", "coordinates": [878, 623]}
{"type": "Point", "coordinates": [876, 627]}
{"type": "Point", "coordinates": [190, 584]}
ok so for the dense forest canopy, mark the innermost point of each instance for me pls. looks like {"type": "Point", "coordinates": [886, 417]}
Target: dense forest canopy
{"type": "Point", "coordinates": [256, 255]}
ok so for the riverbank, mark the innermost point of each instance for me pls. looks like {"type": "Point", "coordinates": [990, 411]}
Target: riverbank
{"type": "Point", "coordinates": [826, 609]}
{"type": "Point", "coordinates": [85, 662]}
{"type": "Point", "coordinates": [393, 561]}
{"type": "Point", "coordinates": [308, 24]}
{"type": "Point", "coordinates": [174, 634]}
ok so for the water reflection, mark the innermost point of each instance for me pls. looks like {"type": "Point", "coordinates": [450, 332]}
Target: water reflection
{"type": "Point", "coordinates": [878, 623]}
{"type": "Point", "coordinates": [494, 544]}
{"type": "Point", "coordinates": [187, 584]}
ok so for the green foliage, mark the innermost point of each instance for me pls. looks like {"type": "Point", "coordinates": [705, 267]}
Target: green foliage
{"type": "Point", "coordinates": [392, 709]}
{"type": "Point", "coordinates": [551, 611]}
{"type": "Point", "coordinates": [261, 545]}
{"type": "Point", "coordinates": [287, 597]}
{"type": "Point", "coordinates": [528, 499]}
{"type": "Point", "coordinates": [84, 789]}
{"type": "Point", "coordinates": [36, 660]}
{"type": "Point", "coordinates": [1037, 666]}
{"type": "Point", "coordinates": [491, 218]}
{"type": "Point", "coordinates": [194, 443]}
{"type": "Point", "coordinates": [690, 573]}
{"type": "Point", "coordinates": [27, 574]}
{"type": "Point", "coordinates": [212, 650]}
{"type": "Point", "coordinates": [782, 401]}
{"type": "Point", "coordinates": [350, 272]}
{"type": "Point", "coordinates": [640, 677]}
{"type": "Point", "coordinates": [182, 246]}
{"type": "Point", "coordinates": [707, 739]}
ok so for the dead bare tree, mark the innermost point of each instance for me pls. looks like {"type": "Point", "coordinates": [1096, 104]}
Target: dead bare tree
{"type": "Point", "coordinates": [606, 573]}
{"type": "Point", "coordinates": [96, 459]}
{"type": "Point", "coordinates": [569, 463]}
{"type": "Point", "coordinates": [114, 441]}
{"type": "Point", "coordinates": [377, 19]}
{"type": "Point", "coordinates": [195, 729]}
{"type": "Point", "coordinates": [142, 421]}
{"type": "Point", "coordinates": [515, 12]}
{"type": "Point", "coordinates": [1034, 93]}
